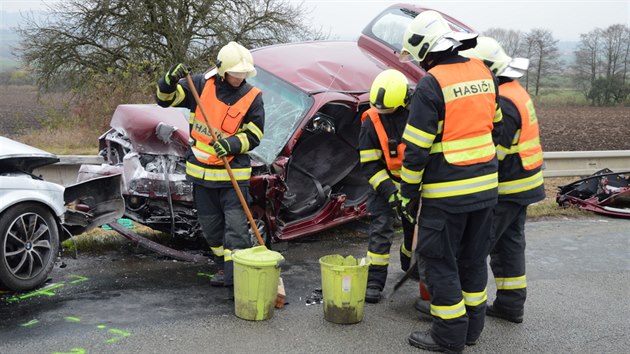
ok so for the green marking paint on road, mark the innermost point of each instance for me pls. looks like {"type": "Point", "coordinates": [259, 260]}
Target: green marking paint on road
{"type": "Point", "coordinates": [101, 326]}
{"type": "Point", "coordinates": [73, 351]}
{"type": "Point", "coordinates": [29, 323]}
{"type": "Point", "coordinates": [72, 319]}
{"type": "Point", "coordinates": [45, 291]}
{"type": "Point", "coordinates": [117, 332]}
{"type": "Point", "coordinates": [209, 275]}
{"type": "Point", "coordinates": [79, 278]}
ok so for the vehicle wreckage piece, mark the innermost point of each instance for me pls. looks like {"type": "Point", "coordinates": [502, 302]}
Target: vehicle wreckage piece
{"type": "Point", "coordinates": [156, 247]}
{"type": "Point", "coordinates": [605, 192]}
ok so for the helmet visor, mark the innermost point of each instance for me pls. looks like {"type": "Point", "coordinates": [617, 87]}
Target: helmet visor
{"type": "Point", "coordinates": [239, 75]}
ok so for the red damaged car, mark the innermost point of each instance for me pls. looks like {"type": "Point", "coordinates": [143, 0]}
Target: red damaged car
{"type": "Point", "coordinates": [306, 174]}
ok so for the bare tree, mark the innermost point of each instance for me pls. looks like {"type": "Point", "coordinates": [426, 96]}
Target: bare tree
{"type": "Point", "coordinates": [542, 50]}
{"type": "Point", "coordinates": [111, 40]}
{"type": "Point", "coordinates": [601, 65]}
{"type": "Point", "coordinates": [587, 59]}
{"type": "Point", "coordinates": [510, 40]}
{"type": "Point", "coordinates": [614, 48]}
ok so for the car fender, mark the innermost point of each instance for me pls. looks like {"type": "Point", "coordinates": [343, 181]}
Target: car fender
{"type": "Point", "coordinates": [17, 190]}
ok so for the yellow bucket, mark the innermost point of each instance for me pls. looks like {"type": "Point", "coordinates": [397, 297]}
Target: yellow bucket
{"type": "Point", "coordinates": [256, 275]}
{"type": "Point", "coordinates": [344, 280]}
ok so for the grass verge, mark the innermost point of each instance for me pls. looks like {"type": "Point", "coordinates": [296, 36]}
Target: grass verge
{"type": "Point", "coordinates": [99, 240]}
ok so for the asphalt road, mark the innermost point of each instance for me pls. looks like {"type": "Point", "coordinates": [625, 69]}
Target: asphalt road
{"type": "Point", "coordinates": [578, 287]}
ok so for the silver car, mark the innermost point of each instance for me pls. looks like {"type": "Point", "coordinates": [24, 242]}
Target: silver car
{"type": "Point", "coordinates": [36, 215]}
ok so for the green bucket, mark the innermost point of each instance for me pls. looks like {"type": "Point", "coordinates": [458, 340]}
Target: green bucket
{"type": "Point", "coordinates": [256, 276]}
{"type": "Point", "coordinates": [344, 280]}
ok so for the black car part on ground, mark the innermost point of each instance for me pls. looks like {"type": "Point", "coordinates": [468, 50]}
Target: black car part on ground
{"type": "Point", "coordinates": [605, 192]}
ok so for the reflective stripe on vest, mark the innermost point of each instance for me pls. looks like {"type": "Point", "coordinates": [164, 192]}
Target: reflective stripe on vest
{"type": "Point", "coordinates": [475, 299]}
{"type": "Point", "coordinates": [460, 187]}
{"type": "Point", "coordinates": [449, 312]}
{"type": "Point", "coordinates": [217, 174]}
{"type": "Point", "coordinates": [393, 163]}
{"type": "Point", "coordinates": [529, 148]}
{"type": "Point", "coordinates": [470, 108]}
{"type": "Point", "coordinates": [521, 185]}
{"type": "Point", "coordinates": [378, 259]}
{"type": "Point", "coordinates": [511, 283]}
{"type": "Point", "coordinates": [225, 119]}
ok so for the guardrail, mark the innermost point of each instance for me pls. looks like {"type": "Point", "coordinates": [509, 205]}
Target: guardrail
{"type": "Point", "coordinates": [584, 163]}
{"type": "Point", "coordinates": [557, 164]}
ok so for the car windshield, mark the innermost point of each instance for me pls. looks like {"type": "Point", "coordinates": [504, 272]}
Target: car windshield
{"type": "Point", "coordinates": [285, 105]}
{"type": "Point", "coordinates": [391, 26]}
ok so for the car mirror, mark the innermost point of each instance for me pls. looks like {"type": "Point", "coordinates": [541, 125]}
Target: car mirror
{"type": "Point", "coordinates": [164, 132]}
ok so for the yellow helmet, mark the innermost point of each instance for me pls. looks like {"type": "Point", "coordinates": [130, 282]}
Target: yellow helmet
{"type": "Point", "coordinates": [492, 54]}
{"type": "Point", "coordinates": [389, 91]}
{"type": "Point", "coordinates": [236, 60]}
{"type": "Point", "coordinates": [430, 32]}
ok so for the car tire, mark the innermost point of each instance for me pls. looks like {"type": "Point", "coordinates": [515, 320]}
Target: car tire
{"type": "Point", "coordinates": [264, 233]}
{"type": "Point", "coordinates": [29, 243]}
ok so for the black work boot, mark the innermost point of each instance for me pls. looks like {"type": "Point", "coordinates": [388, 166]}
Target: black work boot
{"type": "Point", "coordinates": [423, 340]}
{"type": "Point", "coordinates": [373, 294]}
{"type": "Point", "coordinates": [218, 279]}
{"type": "Point", "coordinates": [493, 311]}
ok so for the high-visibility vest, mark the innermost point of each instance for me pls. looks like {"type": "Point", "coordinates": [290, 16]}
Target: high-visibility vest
{"type": "Point", "coordinates": [394, 164]}
{"type": "Point", "coordinates": [529, 148]}
{"type": "Point", "coordinates": [470, 104]}
{"type": "Point", "coordinates": [225, 119]}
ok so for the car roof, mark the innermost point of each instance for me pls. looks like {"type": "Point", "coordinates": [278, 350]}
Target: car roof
{"type": "Point", "coordinates": [321, 65]}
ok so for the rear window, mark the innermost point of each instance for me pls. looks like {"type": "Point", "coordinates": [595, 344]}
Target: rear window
{"type": "Point", "coordinates": [390, 27]}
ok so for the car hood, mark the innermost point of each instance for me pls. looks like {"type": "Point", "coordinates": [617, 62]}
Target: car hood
{"type": "Point", "coordinates": [321, 65]}
{"type": "Point", "coordinates": [17, 156]}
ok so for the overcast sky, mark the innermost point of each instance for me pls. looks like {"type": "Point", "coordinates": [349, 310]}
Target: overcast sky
{"type": "Point", "coordinates": [346, 18]}
{"type": "Point", "coordinates": [565, 18]}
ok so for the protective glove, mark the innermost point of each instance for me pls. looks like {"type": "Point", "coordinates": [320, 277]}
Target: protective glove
{"type": "Point", "coordinates": [410, 208]}
{"type": "Point", "coordinates": [176, 73]}
{"type": "Point", "coordinates": [394, 201]}
{"type": "Point", "coordinates": [221, 147]}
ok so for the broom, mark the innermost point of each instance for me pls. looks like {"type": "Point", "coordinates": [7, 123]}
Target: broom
{"type": "Point", "coordinates": [281, 292]}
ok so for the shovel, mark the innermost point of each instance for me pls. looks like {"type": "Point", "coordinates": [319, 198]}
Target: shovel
{"type": "Point", "coordinates": [241, 198]}
{"type": "Point", "coordinates": [412, 263]}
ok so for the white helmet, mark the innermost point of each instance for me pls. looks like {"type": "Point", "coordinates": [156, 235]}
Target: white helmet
{"type": "Point", "coordinates": [236, 60]}
{"type": "Point", "coordinates": [429, 32]}
{"type": "Point", "coordinates": [492, 54]}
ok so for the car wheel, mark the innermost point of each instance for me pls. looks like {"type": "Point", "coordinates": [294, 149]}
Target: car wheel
{"type": "Point", "coordinates": [29, 242]}
{"type": "Point", "coordinates": [264, 233]}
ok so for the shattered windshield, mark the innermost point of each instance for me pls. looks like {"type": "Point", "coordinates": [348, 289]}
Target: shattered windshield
{"type": "Point", "coordinates": [285, 105]}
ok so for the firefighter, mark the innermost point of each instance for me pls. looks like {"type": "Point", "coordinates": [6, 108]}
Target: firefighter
{"type": "Point", "coordinates": [381, 151]}
{"type": "Point", "coordinates": [450, 161]}
{"type": "Point", "coordinates": [520, 179]}
{"type": "Point", "coordinates": [235, 110]}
